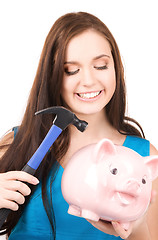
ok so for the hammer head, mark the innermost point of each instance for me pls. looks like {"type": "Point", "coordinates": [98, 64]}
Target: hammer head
{"type": "Point", "coordinates": [64, 117]}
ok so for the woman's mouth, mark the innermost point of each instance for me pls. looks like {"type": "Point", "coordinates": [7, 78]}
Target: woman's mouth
{"type": "Point", "coordinates": [89, 95]}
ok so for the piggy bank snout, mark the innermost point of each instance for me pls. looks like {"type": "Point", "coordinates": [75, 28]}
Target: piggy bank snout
{"type": "Point", "coordinates": [132, 187]}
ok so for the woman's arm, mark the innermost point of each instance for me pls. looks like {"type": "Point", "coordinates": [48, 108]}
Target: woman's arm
{"type": "Point", "coordinates": [152, 215]}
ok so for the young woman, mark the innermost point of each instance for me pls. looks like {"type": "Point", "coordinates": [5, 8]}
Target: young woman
{"type": "Point", "coordinates": [80, 68]}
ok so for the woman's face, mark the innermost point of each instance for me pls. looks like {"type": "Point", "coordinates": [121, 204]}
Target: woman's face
{"type": "Point", "coordinates": [89, 79]}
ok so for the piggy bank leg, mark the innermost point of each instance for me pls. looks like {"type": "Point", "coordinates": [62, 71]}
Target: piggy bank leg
{"type": "Point", "coordinates": [90, 215]}
{"type": "Point", "coordinates": [74, 210]}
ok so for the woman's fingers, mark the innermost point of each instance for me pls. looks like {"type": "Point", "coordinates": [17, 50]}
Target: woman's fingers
{"type": "Point", "coordinates": [11, 200]}
{"type": "Point", "coordinates": [112, 228]}
{"type": "Point", "coordinates": [10, 205]}
{"type": "Point", "coordinates": [104, 226]}
{"type": "Point", "coordinates": [21, 176]}
{"type": "Point", "coordinates": [124, 234]}
{"type": "Point", "coordinates": [14, 188]}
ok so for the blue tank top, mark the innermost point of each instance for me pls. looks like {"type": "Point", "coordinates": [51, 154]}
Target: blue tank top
{"type": "Point", "coordinates": [34, 223]}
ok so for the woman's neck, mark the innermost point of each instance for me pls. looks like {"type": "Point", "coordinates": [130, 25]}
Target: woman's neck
{"type": "Point", "coordinates": [98, 127]}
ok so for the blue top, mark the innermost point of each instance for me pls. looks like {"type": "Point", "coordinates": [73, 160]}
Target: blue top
{"type": "Point", "coordinates": [34, 223]}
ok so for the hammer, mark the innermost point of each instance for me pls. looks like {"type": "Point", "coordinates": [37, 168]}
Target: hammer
{"type": "Point", "coordinates": [62, 120]}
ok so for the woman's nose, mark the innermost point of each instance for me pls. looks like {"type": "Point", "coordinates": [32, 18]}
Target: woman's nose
{"type": "Point", "coordinates": [87, 77]}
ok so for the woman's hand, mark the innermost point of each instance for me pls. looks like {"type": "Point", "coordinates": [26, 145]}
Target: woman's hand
{"type": "Point", "coordinates": [112, 228]}
{"type": "Point", "coordinates": [13, 189]}
{"type": "Point", "coordinates": [136, 230]}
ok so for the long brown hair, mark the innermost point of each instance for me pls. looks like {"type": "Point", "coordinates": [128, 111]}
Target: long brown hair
{"type": "Point", "coordinates": [45, 93]}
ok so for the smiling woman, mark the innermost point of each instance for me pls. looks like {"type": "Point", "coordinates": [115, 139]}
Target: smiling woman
{"type": "Point", "coordinates": [80, 68]}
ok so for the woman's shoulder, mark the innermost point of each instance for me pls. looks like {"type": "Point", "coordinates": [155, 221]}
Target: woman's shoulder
{"type": "Point", "coordinates": [153, 150]}
{"type": "Point", "coordinates": [143, 143]}
{"type": "Point", "coordinates": [5, 142]}
{"type": "Point", "coordinates": [138, 144]}
{"type": "Point", "coordinates": [7, 138]}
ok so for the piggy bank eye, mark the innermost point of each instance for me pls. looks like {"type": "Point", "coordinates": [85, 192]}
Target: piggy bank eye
{"type": "Point", "coordinates": [144, 180]}
{"type": "Point", "coordinates": [113, 170]}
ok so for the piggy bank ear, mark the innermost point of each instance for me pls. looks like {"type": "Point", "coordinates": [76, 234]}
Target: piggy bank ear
{"type": "Point", "coordinates": [102, 148]}
{"type": "Point", "coordinates": [152, 163]}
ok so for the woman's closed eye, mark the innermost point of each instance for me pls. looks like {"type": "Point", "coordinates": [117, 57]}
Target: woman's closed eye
{"type": "Point", "coordinates": [71, 72]}
{"type": "Point", "coordinates": [101, 67]}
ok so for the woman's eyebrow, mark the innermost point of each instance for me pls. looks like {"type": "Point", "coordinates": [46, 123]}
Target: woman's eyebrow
{"type": "Point", "coordinates": [71, 62]}
{"type": "Point", "coordinates": [95, 58]}
{"type": "Point", "coordinates": [100, 56]}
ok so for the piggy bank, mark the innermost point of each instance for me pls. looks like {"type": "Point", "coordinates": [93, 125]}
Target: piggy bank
{"type": "Point", "coordinates": [109, 182]}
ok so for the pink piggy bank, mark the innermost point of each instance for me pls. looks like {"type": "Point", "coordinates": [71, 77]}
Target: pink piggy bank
{"type": "Point", "coordinates": [109, 182]}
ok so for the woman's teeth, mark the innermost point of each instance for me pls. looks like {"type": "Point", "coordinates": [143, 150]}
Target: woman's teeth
{"type": "Point", "coordinates": [89, 95]}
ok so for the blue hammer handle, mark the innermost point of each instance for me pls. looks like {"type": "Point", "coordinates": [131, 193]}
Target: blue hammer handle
{"type": "Point", "coordinates": [41, 151]}
{"type": "Point", "coordinates": [35, 161]}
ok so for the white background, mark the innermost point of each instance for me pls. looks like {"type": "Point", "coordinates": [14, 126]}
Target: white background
{"type": "Point", "coordinates": [23, 29]}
